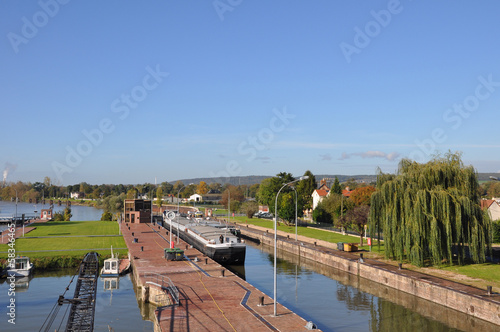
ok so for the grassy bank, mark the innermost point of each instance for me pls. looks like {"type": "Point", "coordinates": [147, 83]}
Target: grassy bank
{"type": "Point", "coordinates": [65, 243]}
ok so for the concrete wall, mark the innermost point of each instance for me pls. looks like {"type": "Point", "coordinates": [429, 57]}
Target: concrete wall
{"type": "Point", "coordinates": [473, 305]}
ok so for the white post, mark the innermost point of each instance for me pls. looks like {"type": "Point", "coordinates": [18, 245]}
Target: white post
{"type": "Point", "coordinates": [276, 236]}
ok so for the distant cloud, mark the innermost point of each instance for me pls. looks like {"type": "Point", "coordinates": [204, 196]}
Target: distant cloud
{"type": "Point", "coordinates": [326, 157]}
{"type": "Point", "coordinates": [371, 154]}
{"type": "Point", "coordinates": [265, 160]}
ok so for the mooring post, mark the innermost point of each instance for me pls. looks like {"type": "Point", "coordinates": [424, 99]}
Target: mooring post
{"type": "Point", "coordinates": [261, 301]}
{"type": "Point", "coordinates": [489, 288]}
{"type": "Point", "coordinates": [400, 266]}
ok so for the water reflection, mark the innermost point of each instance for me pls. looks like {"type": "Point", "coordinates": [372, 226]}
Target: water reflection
{"type": "Point", "coordinates": [338, 301]}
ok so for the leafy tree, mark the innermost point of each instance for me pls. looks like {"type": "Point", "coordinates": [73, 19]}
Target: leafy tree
{"type": "Point", "coordinates": [178, 186]}
{"type": "Point", "coordinates": [336, 188]}
{"type": "Point", "coordinates": [107, 216]}
{"type": "Point", "coordinates": [250, 208]}
{"type": "Point", "coordinates": [431, 211]}
{"type": "Point", "coordinates": [253, 189]}
{"type": "Point", "coordinates": [67, 214]}
{"type": "Point", "coordinates": [336, 205]}
{"type": "Point", "coordinates": [286, 207]}
{"type": "Point", "coordinates": [215, 186]}
{"type": "Point", "coordinates": [159, 197]}
{"type": "Point", "coordinates": [362, 196]}
{"type": "Point", "coordinates": [233, 194]}
{"type": "Point", "coordinates": [321, 215]}
{"type": "Point", "coordinates": [58, 216]}
{"type": "Point", "coordinates": [167, 188]}
{"type": "Point", "coordinates": [356, 219]}
{"type": "Point", "coordinates": [131, 193]}
{"type": "Point", "coordinates": [305, 188]}
{"type": "Point", "coordinates": [269, 188]}
{"type": "Point", "coordinates": [202, 188]}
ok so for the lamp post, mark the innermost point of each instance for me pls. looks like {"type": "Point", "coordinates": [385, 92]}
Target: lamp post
{"type": "Point", "coordinates": [295, 213]}
{"type": "Point", "coordinates": [276, 233]}
{"type": "Point", "coordinates": [178, 213]}
{"type": "Point", "coordinates": [228, 205]}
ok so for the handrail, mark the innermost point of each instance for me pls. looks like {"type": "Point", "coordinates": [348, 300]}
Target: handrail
{"type": "Point", "coordinates": [165, 283]}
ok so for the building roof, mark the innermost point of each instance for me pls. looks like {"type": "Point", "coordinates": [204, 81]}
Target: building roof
{"type": "Point", "coordinates": [321, 192]}
{"type": "Point", "coordinates": [486, 203]}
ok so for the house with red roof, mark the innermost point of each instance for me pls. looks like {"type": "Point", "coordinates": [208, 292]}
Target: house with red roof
{"type": "Point", "coordinates": [318, 195]}
{"type": "Point", "coordinates": [493, 208]}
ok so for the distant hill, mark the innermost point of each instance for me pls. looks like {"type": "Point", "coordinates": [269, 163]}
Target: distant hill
{"type": "Point", "coordinates": [253, 179]}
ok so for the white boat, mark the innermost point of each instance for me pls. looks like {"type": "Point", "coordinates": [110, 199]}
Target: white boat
{"type": "Point", "coordinates": [113, 267]}
{"type": "Point", "coordinates": [21, 267]}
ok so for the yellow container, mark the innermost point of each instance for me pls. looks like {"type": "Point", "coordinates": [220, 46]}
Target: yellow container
{"type": "Point", "coordinates": [347, 247]}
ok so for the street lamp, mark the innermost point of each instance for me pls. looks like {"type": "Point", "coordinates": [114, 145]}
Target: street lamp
{"type": "Point", "coordinates": [178, 213]}
{"type": "Point", "coordinates": [276, 233]}
{"type": "Point", "coordinates": [228, 205]}
{"type": "Point", "coordinates": [295, 213]}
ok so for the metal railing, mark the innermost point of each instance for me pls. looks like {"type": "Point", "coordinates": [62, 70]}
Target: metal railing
{"type": "Point", "coordinates": [165, 283]}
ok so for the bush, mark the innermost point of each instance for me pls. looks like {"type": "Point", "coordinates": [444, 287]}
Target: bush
{"type": "Point", "coordinates": [107, 216]}
{"type": "Point", "coordinates": [496, 231]}
{"type": "Point", "coordinates": [320, 215]}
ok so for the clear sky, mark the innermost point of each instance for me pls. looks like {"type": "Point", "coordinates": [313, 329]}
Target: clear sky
{"type": "Point", "coordinates": [129, 91]}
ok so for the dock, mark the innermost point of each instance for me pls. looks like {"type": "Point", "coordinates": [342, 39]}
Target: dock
{"type": "Point", "coordinates": [197, 293]}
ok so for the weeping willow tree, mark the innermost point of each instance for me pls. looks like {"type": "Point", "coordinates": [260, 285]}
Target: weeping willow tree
{"type": "Point", "coordinates": [429, 212]}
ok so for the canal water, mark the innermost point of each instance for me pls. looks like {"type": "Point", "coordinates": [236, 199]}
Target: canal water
{"type": "Point", "coordinates": [338, 301]}
{"type": "Point", "coordinates": [116, 306]}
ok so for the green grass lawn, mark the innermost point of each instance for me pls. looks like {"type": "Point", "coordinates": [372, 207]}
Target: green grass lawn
{"type": "Point", "coordinates": [305, 231]}
{"type": "Point", "coordinates": [68, 235]}
{"type": "Point", "coordinates": [489, 272]}
{"type": "Point", "coordinates": [67, 228]}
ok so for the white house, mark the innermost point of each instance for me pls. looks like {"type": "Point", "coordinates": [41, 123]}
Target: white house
{"type": "Point", "coordinates": [318, 195]}
{"type": "Point", "coordinates": [195, 197]}
{"type": "Point", "coordinates": [493, 208]}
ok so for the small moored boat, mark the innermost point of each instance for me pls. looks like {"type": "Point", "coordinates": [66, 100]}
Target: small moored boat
{"type": "Point", "coordinates": [114, 266]}
{"type": "Point", "coordinates": [21, 267]}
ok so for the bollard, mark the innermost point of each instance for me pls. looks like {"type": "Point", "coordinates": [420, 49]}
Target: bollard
{"type": "Point", "coordinates": [187, 247]}
{"type": "Point", "coordinates": [261, 301]}
{"type": "Point", "coordinates": [142, 248]}
{"type": "Point", "coordinates": [222, 272]}
{"type": "Point", "coordinates": [206, 261]}
{"type": "Point", "coordinates": [489, 288]}
{"type": "Point", "coordinates": [400, 266]}
{"type": "Point", "coordinates": [315, 244]}
{"type": "Point", "coordinates": [361, 258]}
{"type": "Point", "coordinates": [288, 236]}
{"type": "Point", "coordinates": [132, 233]}
{"type": "Point", "coordinates": [128, 227]}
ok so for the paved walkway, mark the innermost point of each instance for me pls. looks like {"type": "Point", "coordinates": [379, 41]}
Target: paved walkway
{"type": "Point", "coordinates": [211, 297]}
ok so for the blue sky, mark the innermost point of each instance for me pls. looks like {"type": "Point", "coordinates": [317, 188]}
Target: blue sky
{"type": "Point", "coordinates": [130, 91]}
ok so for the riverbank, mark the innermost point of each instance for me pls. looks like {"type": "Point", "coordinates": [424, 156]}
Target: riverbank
{"type": "Point", "coordinates": [466, 299]}
{"type": "Point", "coordinates": [63, 244]}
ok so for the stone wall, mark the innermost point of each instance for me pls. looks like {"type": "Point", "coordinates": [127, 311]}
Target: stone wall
{"type": "Point", "coordinates": [473, 305]}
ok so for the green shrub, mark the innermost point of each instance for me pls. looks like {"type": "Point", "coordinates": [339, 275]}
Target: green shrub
{"type": "Point", "coordinates": [107, 216]}
{"type": "Point", "coordinates": [496, 231]}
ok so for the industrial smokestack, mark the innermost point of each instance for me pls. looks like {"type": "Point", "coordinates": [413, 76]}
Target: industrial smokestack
{"type": "Point", "coordinates": [8, 167]}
